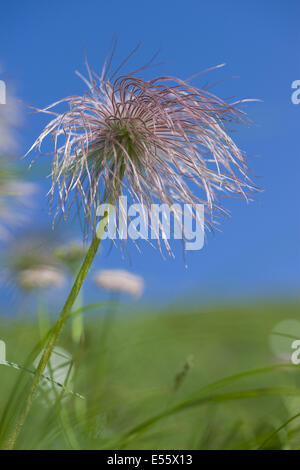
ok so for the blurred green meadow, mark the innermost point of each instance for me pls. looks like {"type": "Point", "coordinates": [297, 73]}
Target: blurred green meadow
{"type": "Point", "coordinates": [182, 378]}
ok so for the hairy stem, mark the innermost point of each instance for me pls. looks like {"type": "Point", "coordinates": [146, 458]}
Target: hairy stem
{"type": "Point", "coordinates": [53, 337]}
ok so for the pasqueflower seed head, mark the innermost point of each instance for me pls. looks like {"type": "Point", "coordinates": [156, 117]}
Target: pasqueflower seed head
{"type": "Point", "coordinates": [155, 139]}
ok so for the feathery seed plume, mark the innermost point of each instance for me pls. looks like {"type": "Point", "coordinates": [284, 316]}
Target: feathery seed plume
{"type": "Point", "coordinates": [154, 139]}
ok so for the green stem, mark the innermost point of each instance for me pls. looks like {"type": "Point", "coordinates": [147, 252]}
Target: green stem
{"type": "Point", "coordinates": [77, 322]}
{"type": "Point", "coordinates": [53, 337]}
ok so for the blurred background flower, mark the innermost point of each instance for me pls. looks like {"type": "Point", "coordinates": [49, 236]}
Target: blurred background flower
{"type": "Point", "coordinates": [119, 280]}
{"type": "Point", "coordinates": [16, 194]}
{"type": "Point", "coordinates": [40, 277]}
{"type": "Point", "coordinates": [31, 267]}
{"type": "Point", "coordinates": [10, 119]}
{"type": "Point", "coordinates": [16, 199]}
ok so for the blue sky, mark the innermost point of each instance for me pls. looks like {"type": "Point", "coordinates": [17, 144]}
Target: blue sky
{"type": "Point", "coordinates": [257, 252]}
